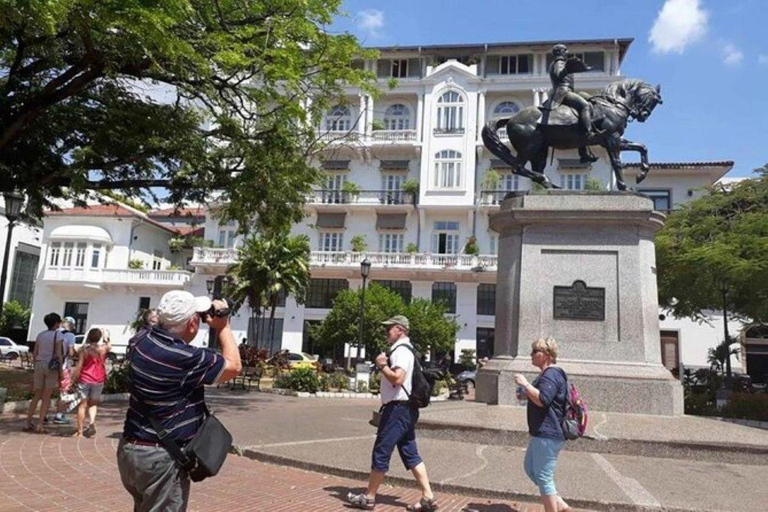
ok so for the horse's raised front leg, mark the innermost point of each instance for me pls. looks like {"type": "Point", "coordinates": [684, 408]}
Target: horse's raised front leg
{"type": "Point", "coordinates": [613, 147]}
{"type": "Point", "coordinates": [628, 145]}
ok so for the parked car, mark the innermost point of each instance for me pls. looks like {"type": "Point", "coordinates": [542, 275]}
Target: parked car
{"type": "Point", "coordinates": [467, 379]}
{"type": "Point", "coordinates": [302, 360]}
{"type": "Point", "coordinates": [9, 349]}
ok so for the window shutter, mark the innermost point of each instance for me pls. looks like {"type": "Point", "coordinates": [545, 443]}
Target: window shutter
{"type": "Point", "coordinates": [492, 65]}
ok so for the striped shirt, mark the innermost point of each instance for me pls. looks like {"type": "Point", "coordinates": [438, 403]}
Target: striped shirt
{"type": "Point", "coordinates": [167, 377]}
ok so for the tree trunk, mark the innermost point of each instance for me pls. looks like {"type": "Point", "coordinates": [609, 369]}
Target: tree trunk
{"type": "Point", "coordinates": [727, 337]}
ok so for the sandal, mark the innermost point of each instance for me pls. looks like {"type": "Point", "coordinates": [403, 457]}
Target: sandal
{"type": "Point", "coordinates": [424, 505]}
{"type": "Point", "coordinates": [361, 501]}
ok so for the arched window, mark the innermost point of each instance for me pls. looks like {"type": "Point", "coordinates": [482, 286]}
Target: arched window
{"type": "Point", "coordinates": [506, 109]}
{"type": "Point", "coordinates": [338, 119]}
{"type": "Point", "coordinates": [450, 113]}
{"type": "Point", "coordinates": [447, 169]}
{"type": "Point", "coordinates": [397, 117]}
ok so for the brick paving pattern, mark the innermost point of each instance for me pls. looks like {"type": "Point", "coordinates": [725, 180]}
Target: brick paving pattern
{"type": "Point", "coordinates": [55, 472]}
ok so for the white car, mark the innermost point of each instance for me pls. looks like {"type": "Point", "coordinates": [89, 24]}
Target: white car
{"type": "Point", "coordinates": [10, 350]}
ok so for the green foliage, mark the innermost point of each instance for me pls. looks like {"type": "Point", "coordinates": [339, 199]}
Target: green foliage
{"type": "Point", "coordinates": [377, 124]}
{"type": "Point", "coordinates": [472, 247]}
{"type": "Point", "coordinates": [337, 381]}
{"type": "Point", "coordinates": [714, 243]}
{"type": "Point", "coordinates": [358, 243]}
{"type": "Point", "coordinates": [15, 316]}
{"type": "Point", "coordinates": [127, 201]}
{"type": "Point", "coordinates": [179, 243]}
{"type": "Point", "coordinates": [716, 356]}
{"type": "Point", "coordinates": [118, 379]}
{"type": "Point", "coordinates": [491, 180]}
{"type": "Point", "coordinates": [593, 184]}
{"type": "Point", "coordinates": [411, 248]}
{"type": "Point", "coordinates": [374, 383]}
{"type": "Point", "coordinates": [195, 96]}
{"type": "Point", "coordinates": [468, 358]}
{"type": "Point", "coordinates": [430, 328]}
{"type": "Point", "coordinates": [362, 386]}
{"type": "Point", "coordinates": [136, 264]}
{"type": "Point", "coordinates": [300, 379]}
{"type": "Point", "coordinates": [411, 186]}
{"type": "Point", "coordinates": [351, 188]}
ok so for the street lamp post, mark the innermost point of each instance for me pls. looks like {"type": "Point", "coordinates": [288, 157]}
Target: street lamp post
{"type": "Point", "coordinates": [13, 203]}
{"type": "Point", "coordinates": [365, 269]}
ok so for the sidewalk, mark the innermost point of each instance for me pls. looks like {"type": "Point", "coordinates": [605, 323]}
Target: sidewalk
{"type": "Point", "coordinates": [55, 472]}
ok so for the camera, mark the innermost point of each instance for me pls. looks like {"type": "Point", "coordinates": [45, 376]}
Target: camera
{"type": "Point", "coordinates": [220, 313]}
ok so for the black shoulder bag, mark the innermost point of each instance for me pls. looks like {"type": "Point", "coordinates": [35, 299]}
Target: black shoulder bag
{"type": "Point", "coordinates": [204, 455]}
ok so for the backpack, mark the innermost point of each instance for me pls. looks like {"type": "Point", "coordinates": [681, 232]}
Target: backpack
{"type": "Point", "coordinates": [421, 381]}
{"type": "Point", "coordinates": [574, 423]}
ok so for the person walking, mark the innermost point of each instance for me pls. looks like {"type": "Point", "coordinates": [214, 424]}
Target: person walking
{"type": "Point", "coordinates": [167, 375]}
{"type": "Point", "coordinates": [546, 407]}
{"type": "Point", "coordinates": [398, 420]}
{"type": "Point", "coordinates": [90, 374]}
{"type": "Point", "coordinates": [48, 356]}
{"type": "Point", "coordinates": [65, 376]}
{"type": "Point", "coordinates": [146, 321]}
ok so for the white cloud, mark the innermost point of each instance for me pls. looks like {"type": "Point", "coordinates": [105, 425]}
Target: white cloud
{"type": "Point", "coordinates": [762, 58]}
{"type": "Point", "coordinates": [732, 55]}
{"type": "Point", "coordinates": [679, 24]}
{"type": "Point", "coordinates": [371, 21]}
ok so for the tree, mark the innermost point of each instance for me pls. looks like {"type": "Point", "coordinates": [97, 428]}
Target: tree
{"type": "Point", "coordinates": [268, 267]}
{"type": "Point", "coordinates": [717, 356]}
{"type": "Point", "coordinates": [711, 254]}
{"type": "Point", "coordinates": [430, 328]}
{"type": "Point", "coordinates": [191, 95]}
{"type": "Point", "coordinates": [15, 318]}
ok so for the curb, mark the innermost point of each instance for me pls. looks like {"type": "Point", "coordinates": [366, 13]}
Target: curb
{"type": "Point", "coordinates": [23, 406]}
{"type": "Point", "coordinates": [746, 423]}
{"type": "Point", "coordinates": [329, 394]}
{"type": "Point", "coordinates": [754, 455]}
{"type": "Point", "coordinates": [461, 490]}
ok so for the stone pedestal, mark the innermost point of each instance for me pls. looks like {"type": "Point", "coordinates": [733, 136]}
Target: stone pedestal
{"type": "Point", "coordinates": [580, 266]}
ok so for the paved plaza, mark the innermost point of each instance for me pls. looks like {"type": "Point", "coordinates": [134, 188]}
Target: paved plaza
{"type": "Point", "coordinates": [306, 454]}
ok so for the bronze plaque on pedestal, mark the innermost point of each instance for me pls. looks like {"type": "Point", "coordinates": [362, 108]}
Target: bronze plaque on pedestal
{"type": "Point", "coordinates": [578, 302]}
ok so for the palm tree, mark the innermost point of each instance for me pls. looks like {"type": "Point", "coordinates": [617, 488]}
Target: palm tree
{"type": "Point", "coordinates": [716, 356]}
{"type": "Point", "coordinates": [268, 267]}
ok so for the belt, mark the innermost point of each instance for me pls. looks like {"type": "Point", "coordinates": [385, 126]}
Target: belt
{"type": "Point", "coordinates": [141, 442]}
{"type": "Point", "coordinates": [396, 402]}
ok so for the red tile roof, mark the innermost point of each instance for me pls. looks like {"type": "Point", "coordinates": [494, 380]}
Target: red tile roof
{"type": "Point", "coordinates": [684, 165]}
{"type": "Point", "coordinates": [198, 211]}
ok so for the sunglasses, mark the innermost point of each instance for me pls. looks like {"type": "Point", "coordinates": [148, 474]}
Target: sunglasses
{"type": "Point", "coordinates": [536, 351]}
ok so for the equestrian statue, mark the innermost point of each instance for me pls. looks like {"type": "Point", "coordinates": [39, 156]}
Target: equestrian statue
{"type": "Point", "coordinates": [571, 120]}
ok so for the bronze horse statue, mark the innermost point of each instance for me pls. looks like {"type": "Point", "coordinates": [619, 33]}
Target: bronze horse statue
{"type": "Point", "coordinates": [533, 130]}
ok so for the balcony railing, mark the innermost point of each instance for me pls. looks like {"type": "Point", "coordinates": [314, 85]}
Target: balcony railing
{"type": "Point", "coordinates": [332, 196]}
{"type": "Point", "coordinates": [393, 135]}
{"type": "Point", "coordinates": [118, 276]}
{"type": "Point", "coordinates": [478, 263]}
{"type": "Point", "coordinates": [493, 197]}
{"type": "Point", "coordinates": [339, 135]}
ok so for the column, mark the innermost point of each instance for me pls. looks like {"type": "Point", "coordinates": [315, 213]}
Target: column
{"type": "Point", "coordinates": [293, 326]}
{"type": "Point", "coordinates": [480, 110]}
{"type": "Point", "coordinates": [508, 293]}
{"type": "Point", "coordinates": [466, 310]}
{"type": "Point", "coordinates": [361, 118]}
{"type": "Point", "coordinates": [420, 118]}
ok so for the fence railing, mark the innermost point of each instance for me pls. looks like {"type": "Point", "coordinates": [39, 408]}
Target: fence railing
{"type": "Point", "coordinates": [333, 196]}
{"type": "Point", "coordinates": [118, 276]}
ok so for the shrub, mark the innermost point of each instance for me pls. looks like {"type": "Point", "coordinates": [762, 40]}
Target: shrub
{"type": "Point", "coordinates": [118, 379]}
{"type": "Point", "coordinates": [301, 379]}
{"type": "Point", "coordinates": [746, 406]}
{"type": "Point", "coordinates": [338, 381]}
{"type": "Point", "coordinates": [468, 359]}
{"type": "Point", "coordinates": [362, 386]}
{"type": "Point", "coordinates": [374, 385]}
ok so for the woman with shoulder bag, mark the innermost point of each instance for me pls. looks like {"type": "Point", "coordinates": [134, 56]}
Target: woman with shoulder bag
{"type": "Point", "coordinates": [90, 374]}
{"type": "Point", "coordinates": [48, 355]}
{"type": "Point", "coordinates": [546, 406]}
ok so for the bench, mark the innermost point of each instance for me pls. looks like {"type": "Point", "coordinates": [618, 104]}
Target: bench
{"type": "Point", "coordinates": [247, 377]}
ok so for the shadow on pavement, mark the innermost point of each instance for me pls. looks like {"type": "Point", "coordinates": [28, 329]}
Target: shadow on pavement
{"type": "Point", "coordinates": [340, 493]}
{"type": "Point", "coordinates": [488, 507]}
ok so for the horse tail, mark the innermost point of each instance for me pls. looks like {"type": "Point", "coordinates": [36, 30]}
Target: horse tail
{"type": "Point", "coordinates": [493, 142]}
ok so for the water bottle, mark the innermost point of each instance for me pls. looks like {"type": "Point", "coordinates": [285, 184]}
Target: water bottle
{"type": "Point", "coordinates": [522, 396]}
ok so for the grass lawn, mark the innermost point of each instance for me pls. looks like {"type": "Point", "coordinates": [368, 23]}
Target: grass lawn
{"type": "Point", "coordinates": [18, 381]}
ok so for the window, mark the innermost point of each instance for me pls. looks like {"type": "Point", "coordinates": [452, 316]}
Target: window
{"type": "Point", "coordinates": [157, 260]}
{"type": "Point", "coordinates": [391, 242]}
{"type": "Point", "coordinates": [55, 253]}
{"type": "Point", "coordinates": [397, 117]}
{"type": "Point", "coordinates": [322, 292]}
{"type": "Point", "coordinates": [66, 260]}
{"type": "Point", "coordinates": [573, 181]}
{"type": "Point", "coordinates": [95, 255]}
{"type": "Point", "coordinates": [505, 109]}
{"type": "Point", "coordinates": [334, 184]}
{"type": "Point", "coordinates": [486, 299]}
{"type": "Point", "coordinates": [23, 277]}
{"type": "Point", "coordinates": [332, 241]}
{"type": "Point", "coordinates": [450, 113]}
{"type": "Point", "coordinates": [392, 186]}
{"type": "Point", "coordinates": [447, 169]}
{"type": "Point", "coordinates": [80, 255]}
{"type": "Point", "coordinates": [399, 68]}
{"type": "Point", "coordinates": [78, 311]}
{"type": "Point", "coordinates": [510, 181]}
{"type": "Point", "coordinates": [144, 303]}
{"type": "Point", "coordinates": [485, 339]}
{"type": "Point", "coordinates": [445, 238]}
{"type": "Point", "coordinates": [402, 288]}
{"type": "Point", "coordinates": [445, 293]}
{"type": "Point", "coordinates": [661, 199]}
{"type": "Point", "coordinates": [338, 119]}
{"type": "Point", "coordinates": [594, 60]}
{"type": "Point", "coordinates": [5, 342]}
{"type": "Point", "coordinates": [509, 64]}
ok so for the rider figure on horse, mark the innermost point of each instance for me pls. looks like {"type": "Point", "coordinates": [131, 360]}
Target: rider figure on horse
{"type": "Point", "coordinates": [561, 74]}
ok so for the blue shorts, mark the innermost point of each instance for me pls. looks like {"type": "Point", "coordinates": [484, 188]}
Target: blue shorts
{"type": "Point", "coordinates": [396, 428]}
{"type": "Point", "coordinates": [540, 461]}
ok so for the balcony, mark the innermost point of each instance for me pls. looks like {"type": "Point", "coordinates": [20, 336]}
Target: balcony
{"type": "Point", "coordinates": [114, 276]}
{"type": "Point", "coordinates": [377, 137]}
{"type": "Point", "coordinates": [493, 197]}
{"type": "Point", "coordinates": [222, 258]}
{"type": "Point", "coordinates": [364, 197]}
{"type": "Point", "coordinates": [420, 261]}
{"type": "Point", "coordinates": [393, 136]}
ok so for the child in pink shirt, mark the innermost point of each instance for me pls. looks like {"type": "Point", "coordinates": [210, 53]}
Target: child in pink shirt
{"type": "Point", "coordinates": [91, 375]}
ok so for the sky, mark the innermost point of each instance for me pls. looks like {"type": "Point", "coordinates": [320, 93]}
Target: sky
{"type": "Point", "coordinates": [710, 57]}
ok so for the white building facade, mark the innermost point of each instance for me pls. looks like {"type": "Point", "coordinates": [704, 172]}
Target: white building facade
{"type": "Point", "coordinates": [425, 130]}
{"type": "Point", "coordinates": [23, 258]}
